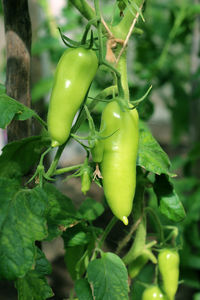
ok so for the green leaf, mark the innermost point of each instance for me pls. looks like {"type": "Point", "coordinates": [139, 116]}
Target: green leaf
{"type": "Point", "coordinates": [34, 286]}
{"type": "Point", "coordinates": [133, 8]}
{"type": "Point", "coordinates": [10, 108]}
{"type": "Point", "coordinates": [22, 223]}
{"type": "Point", "coordinates": [150, 155]}
{"type": "Point", "coordinates": [196, 296]}
{"type": "Point", "coordinates": [169, 203]}
{"type": "Point", "coordinates": [108, 278]}
{"type": "Point", "coordinates": [61, 211]}
{"type": "Point", "coordinates": [20, 156]}
{"type": "Point", "coordinates": [91, 209]}
{"type": "Point", "coordinates": [77, 258]}
{"type": "Point", "coordinates": [72, 257]}
{"type": "Point", "coordinates": [77, 235]}
{"type": "Point", "coordinates": [42, 265]}
{"type": "Point", "coordinates": [83, 290]}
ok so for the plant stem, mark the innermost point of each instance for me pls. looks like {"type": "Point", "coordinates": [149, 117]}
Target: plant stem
{"type": "Point", "coordinates": [122, 68]}
{"type": "Point", "coordinates": [85, 9]}
{"type": "Point", "coordinates": [121, 30]}
{"type": "Point", "coordinates": [98, 15]}
{"type": "Point", "coordinates": [128, 237]}
{"type": "Point", "coordinates": [42, 122]}
{"type": "Point", "coordinates": [67, 169]}
{"type": "Point", "coordinates": [128, 35]}
{"type": "Point", "coordinates": [157, 220]}
{"type": "Point", "coordinates": [140, 237]}
{"type": "Point", "coordinates": [55, 161]}
{"type": "Point", "coordinates": [107, 231]}
{"type": "Point", "coordinates": [102, 61]}
{"type": "Point", "coordinates": [177, 23]}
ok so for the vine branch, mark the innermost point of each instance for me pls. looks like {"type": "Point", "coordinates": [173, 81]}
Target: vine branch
{"type": "Point", "coordinates": [128, 35]}
{"type": "Point", "coordinates": [128, 237]}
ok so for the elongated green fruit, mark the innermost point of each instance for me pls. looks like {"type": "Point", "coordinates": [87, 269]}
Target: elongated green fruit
{"type": "Point", "coordinates": [136, 266]}
{"type": "Point", "coordinates": [74, 74]}
{"type": "Point", "coordinates": [168, 264]}
{"type": "Point", "coordinates": [118, 165]}
{"type": "Point", "coordinates": [85, 182]}
{"type": "Point", "coordinates": [153, 293]}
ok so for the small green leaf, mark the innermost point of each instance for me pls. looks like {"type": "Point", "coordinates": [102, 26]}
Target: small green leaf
{"type": "Point", "coordinates": [20, 156]}
{"type": "Point", "coordinates": [91, 209]}
{"type": "Point", "coordinates": [10, 108]}
{"type": "Point", "coordinates": [61, 211]}
{"type": "Point", "coordinates": [150, 155]}
{"type": "Point", "coordinates": [77, 235]}
{"type": "Point", "coordinates": [80, 234]}
{"type": "Point", "coordinates": [169, 203]}
{"type": "Point", "coordinates": [22, 223]}
{"type": "Point", "coordinates": [42, 265]}
{"type": "Point", "coordinates": [34, 286]}
{"type": "Point", "coordinates": [72, 256]}
{"type": "Point", "coordinates": [108, 278]}
{"type": "Point", "coordinates": [83, 290]}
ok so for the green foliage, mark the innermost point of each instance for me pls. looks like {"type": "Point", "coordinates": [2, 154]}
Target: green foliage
{"type": "Point", "coordinates": [38, 211]}
{"type": "Point", "coordinates": [150, 155]}
{"type": "Point", "coordinates": [168, 200]}
{"type": "Point", "coordinates": [19, 157]}
{"type": "Point", "coordinates": [34, 285]}
{"type": "Point", "coordinates": [90, 209]}
{"type": "Point", "coordinates": [61, 211]}
{"type": "Point", "coordinates": [22, 223]}
{"type": "Point", "coordinates": [83, 289]}
{"type": "Point", "coordinates": [163, 49]}
{"type": "Point", "coordinates": [108, 277]}
{"type": "Point", "coordinates": [11, 108]}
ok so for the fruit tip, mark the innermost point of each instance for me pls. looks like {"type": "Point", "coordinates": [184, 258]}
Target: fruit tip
{"type": "Point", "coordinates": [125, 220]}
{"type": "Point", "coordinates": [54, 144]}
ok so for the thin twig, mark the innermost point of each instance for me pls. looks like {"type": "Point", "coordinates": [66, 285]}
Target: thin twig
{"type": "Point", "coordinates": [105, 25]}
{"type": "Point", "coordinates": [128, 35]}
{"type": "Point", "coordinates": [107, 28]}
{"type": "Point", "coordinates": [127, 238]}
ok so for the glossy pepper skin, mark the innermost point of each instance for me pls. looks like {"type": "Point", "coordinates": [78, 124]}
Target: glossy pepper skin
{"type": "Point", "coordinates": [118, 153]}
{"type": "Point", "coordinates": [85, 182]}
{"type": "Point", "coordinates": [168, 264]}
{"type": "Point", "coordinates": [136, 266]}
{"type": "Point", "coordinates": [74, 74]}
{"type": "Point", "coordinates": [153, 293]}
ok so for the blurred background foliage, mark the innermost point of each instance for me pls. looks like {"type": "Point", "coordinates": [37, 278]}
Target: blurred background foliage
{"type": "Point", "coordinates": [165, 55]}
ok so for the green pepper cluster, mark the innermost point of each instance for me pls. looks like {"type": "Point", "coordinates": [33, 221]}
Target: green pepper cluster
{"type": "Point", "coordinates": [117, 152]}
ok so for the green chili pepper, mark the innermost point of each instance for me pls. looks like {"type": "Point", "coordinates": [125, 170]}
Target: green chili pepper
{"type": "Point", "coordinates": [117, 154]}
{"type": "Point", "coordinates": [74, 74]}
{"type": "Point", "coordinates": [153, 293]}
{"type": "Point", "coordinates": [168, 263]}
